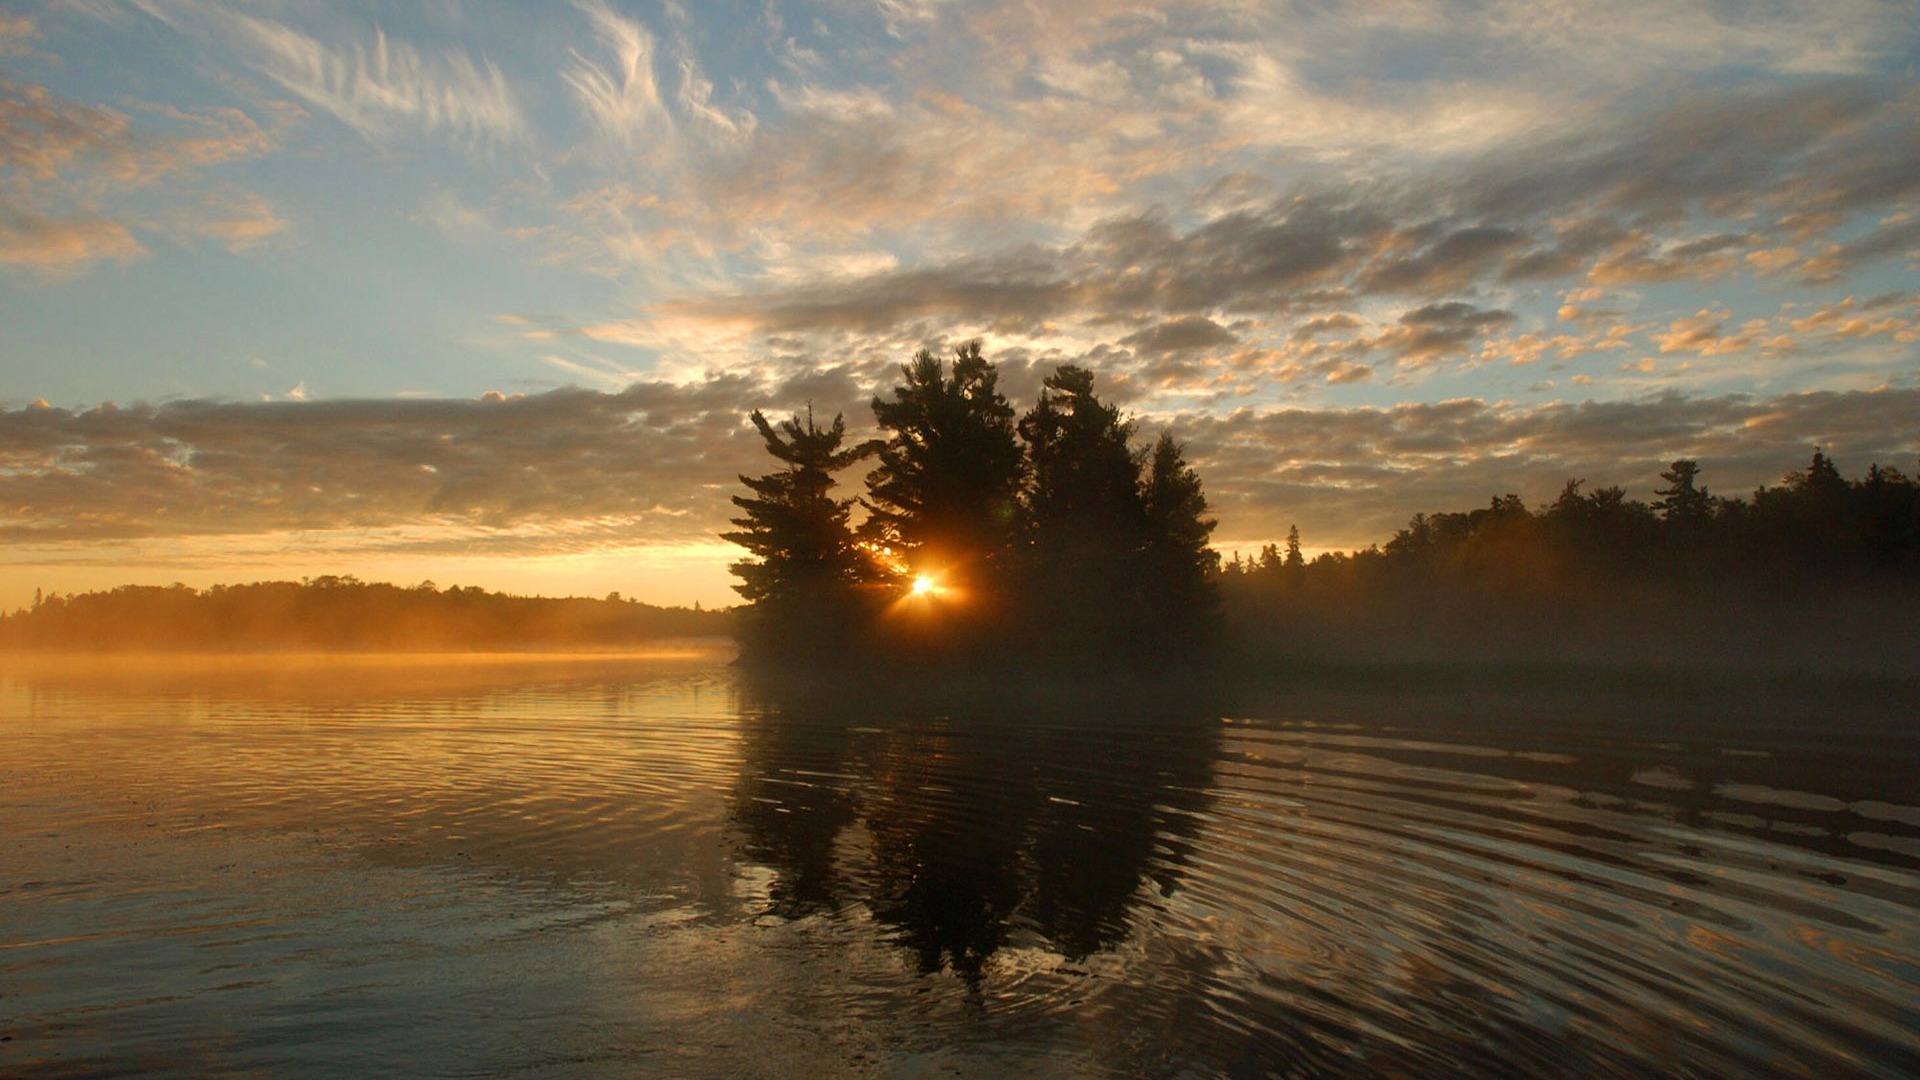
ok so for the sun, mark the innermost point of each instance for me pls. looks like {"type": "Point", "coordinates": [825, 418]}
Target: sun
{"type": "Point", "coordinates": [923, 586]}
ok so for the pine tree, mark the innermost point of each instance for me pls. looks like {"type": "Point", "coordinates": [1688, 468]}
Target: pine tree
{"type": "Point", "coordinates": [943, 494]}
{"type": "Point", "coordinates": [1178, 565]}
{"type": "Point", "coordinates": [1084, 519]}
{"type": "Point", "coordinates": [1681, 502]}
{"type": "Point", "coordinates": [802, 546]}
{"type": "Point", "coordinates": [1176, 508]}
{"type": "Point", "coordinates": [1085, 478]}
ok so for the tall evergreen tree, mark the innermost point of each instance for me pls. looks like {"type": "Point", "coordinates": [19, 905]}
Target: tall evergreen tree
{"type": "Point", "coordinates": [1084, 517]}
{"type": "Point", "coordinates": [1682, 502]}
{"type": "Point", "coordinates": [1177, 565]}
{"type": "Point", "coordinates": [1085, 478]}
{"type": "Point", "coordinates": [1296, 559]}
{"type": "Point", "coordinates": [943, 494]}
{"type": "Point", "coordinates": [1176, 509]}
{"type": "Point", "coordinates": [803, 549]}
{"type": "Point", "coordinates": [1820, 480]}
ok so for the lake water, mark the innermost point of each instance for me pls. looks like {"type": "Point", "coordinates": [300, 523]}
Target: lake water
{"type": "Point", "coordinates": [650, 866]}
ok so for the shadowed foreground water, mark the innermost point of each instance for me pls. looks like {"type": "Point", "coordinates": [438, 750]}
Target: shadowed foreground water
{"type": "Point", "coordinates": [646, 866]}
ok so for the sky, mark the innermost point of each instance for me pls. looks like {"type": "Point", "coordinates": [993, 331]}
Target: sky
{"type": "Point", "coordinates": [484, 293]}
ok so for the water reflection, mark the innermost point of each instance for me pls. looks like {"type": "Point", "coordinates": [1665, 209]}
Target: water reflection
{"type": "Point", "coordinates": [964, 821]}
{"type": "Point", "coordinates": [610, 866]}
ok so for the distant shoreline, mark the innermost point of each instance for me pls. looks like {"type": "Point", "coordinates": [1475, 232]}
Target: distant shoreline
{"type": "Point", "coordinates": [293, 657]}
{"type": "Point", "coordinates": [341, 614]}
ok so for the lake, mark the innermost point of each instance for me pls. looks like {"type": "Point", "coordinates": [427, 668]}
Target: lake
{"type": "Point", "coordinates": [654, 865]}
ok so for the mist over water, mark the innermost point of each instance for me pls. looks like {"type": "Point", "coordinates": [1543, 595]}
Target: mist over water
{"type": "Point", "coordinates": [598, 866]}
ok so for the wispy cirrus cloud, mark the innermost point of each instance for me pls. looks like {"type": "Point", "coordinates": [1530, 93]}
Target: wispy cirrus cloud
{"type": "Point", "coordinates": [382, 87]}
{"type": "Point", "coordinates": [621, 97]}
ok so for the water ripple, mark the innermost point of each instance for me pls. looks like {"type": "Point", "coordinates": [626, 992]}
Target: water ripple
{"type": "Point", "coordinates": [595, 867]}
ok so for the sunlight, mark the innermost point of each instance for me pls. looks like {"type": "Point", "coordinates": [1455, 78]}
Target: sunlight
{"type": "Point", "coordinates": [924, 595]}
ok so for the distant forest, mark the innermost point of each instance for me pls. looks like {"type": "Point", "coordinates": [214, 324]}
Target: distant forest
{"type": "Point", "coordinates": [343, 613]}
{"type": "Point", "coordinates": [1813, 572]}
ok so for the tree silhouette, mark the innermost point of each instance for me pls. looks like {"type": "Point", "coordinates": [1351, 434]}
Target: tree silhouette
{"type": "Point", "coordinates": [943, 494]}
{"type": "Point", "coordinates": [1821, 478]}
{"type": "Point", "coordinates": [1682, 503]}
{"type": "Point", "coordinates": [1084, 516]}
{"type": "Point", "coordinates": [1295, 559]}
{"type": "Point", "coordinates": [1177, 566]}
{"type": "Point", "coordinates": [1815, 569]}
{"type": "Point", "coordinates": [1890, 511]}
{"type": "Point", "coordinates": [1084, 487]}
{"type": "Point", "coordinates": [805, 559]}
{"type": "Point", "coordinates": [1054, 537]}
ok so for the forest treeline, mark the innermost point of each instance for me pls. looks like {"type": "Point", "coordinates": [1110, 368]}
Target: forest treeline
{"type": "Point", "coordinates": [1048, 538]}
{"type": "Point", "coordinates": [1815, 571]}
{"type": "Point", "coordinates": [343, 613]}
{"type": "Point", "coordinates": [1051, 541]}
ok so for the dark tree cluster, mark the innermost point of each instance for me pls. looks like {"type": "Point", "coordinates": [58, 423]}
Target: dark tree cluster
{"type": "Point", "coordinates": [1050, 537]}
{"type": "Point", "coordinates": [1816, 569]}
{"type": "Point", "coordinates": [342, 612]}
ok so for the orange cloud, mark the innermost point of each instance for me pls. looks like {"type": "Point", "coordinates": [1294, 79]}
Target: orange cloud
{"type": "Point", "coordinates": [68, 171]}
{"type": "Point", "coordinates": [1705, 334]}
{"type": "Point", "coordinates": [62, 245]}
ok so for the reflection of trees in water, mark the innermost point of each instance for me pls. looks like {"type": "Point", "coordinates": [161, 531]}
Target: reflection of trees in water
{"type": "Point", "coordinates": [986, 819]}
{"type": "Point", "coordinates": [792, 801]}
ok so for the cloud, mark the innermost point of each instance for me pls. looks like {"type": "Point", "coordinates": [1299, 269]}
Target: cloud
{"type": "Point", "coordinates": [655, 462]}
{"type": "Point", "coordinates": [1705, 334]}
{"type": "Point", "coordinates": [1038, 175]}
{"type": "Point", "coordinates": [1322, 324]}
{"type": "Point", "coordinates": [77, 181]}
{"type": "Point", "coordinates": [17, 32]}
{"type": "Point", "coordinates": [1447, 264]}
{"type": "Point", "coordinates": [1896, 236]}
{"type": "Point", "coordinates": [382, 87]}
{"type": "Point", "coordinates": [45, 138]}
{"type": "Point", "coordinates": [189, 468]}
{"type": "Point", "coordinates": [1435, 330]}
{"type": "Point", "coordinates": [239, 221]}
{"type": "Point", "coordinates": [1530, 348]}
{"type": "Point", "coordinates": [623, 99]}
{"type": "Point", "coordinates": [1276, 260]}
{"type": "Point", "coordinates": [1022, 285]}
{"type": "Point", "coordinates": [1893, 314]}
{"type": "Point", "coordinates": [1728, 151]}
{"type": "Point", "coordinates": [1683, 192]}
{"type": "Point", "coordinates": [1643, 259]}
{"type": "Point", "coordinates": [62, 245]}
{"type": "Point", "coordinates": [1350, 477]}
{"type": "Point", "coordinates": [1184, 334]}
